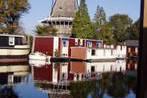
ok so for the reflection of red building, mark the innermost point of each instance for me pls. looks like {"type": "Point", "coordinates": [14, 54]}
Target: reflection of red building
{"type": "Point", "coordinates": [52, 73]}
{"type": "Point", "coordinates": [132, 54]}
{"type": "Point", "coordinates": [43, 73]}
{"type": "Point", "coordinates": [132, 64]}
{"type": "Point", "coordinates": [132, 48]}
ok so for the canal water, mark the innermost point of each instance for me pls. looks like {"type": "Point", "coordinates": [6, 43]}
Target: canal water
{"type": "Point", "coordinates": [68, 80]}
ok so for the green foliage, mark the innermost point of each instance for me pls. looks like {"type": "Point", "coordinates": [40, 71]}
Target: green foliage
{"type": "Point", "coordinates": [46, 30]}
{"type": "Point", "coordinates": [102, 29]}
{"type": "Point", "coordinates": [118, 88]}
{"type": "Point", "coordinates": [133, 31]}
{"type": "Point", "coordinates": [120, 24]}
{"type": "Point", "coordinates": [104, 32]}
{"type": "Point", "coordinates": [82, 89]}
{"type": "Point", "coordinates": [10, 13]}
{"type": "Point", "coordinates": [82, 26]}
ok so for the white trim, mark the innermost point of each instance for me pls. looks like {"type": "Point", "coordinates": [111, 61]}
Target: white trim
{"type": "Point", "coordinates": [57, 19]}
{"type": "Point", "coordinates": [22, 46]}
{"type": "Point", "coordinates": [14, 68]}
{"type": "Point", "coordinates": [5, 52]}
{"type": "Point", "coordinates": [55, 45]}
{"type": "Point", "coordinates": [33, 44]}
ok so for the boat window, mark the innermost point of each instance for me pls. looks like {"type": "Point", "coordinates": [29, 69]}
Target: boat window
{"type": "Point", "coordinates": [92, 68]}
{"type": "Point", "coordinates": [4, 41]}
{"type": "Point", "coordinates": [18, 41]}
{"type": "Point", "coordinates": [93, 52]}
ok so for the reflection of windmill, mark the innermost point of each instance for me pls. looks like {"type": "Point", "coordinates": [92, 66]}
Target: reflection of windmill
{"type": "Point", "coordinates": [61, 16]}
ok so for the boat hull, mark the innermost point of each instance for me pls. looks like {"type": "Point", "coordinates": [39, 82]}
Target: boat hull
{"type": "Point", "coordinates": [12, 55]}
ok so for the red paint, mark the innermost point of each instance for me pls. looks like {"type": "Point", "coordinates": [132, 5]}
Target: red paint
{"type": "Point", "coordinates": [71, 44]}
{"type": "Point", "coordinates": [70, 76]}
{"type": "Point", "coordinates": [44, 45]}
{"type": "Point", "coordinates": [60, 46]}
{"type": "Point", "coordinates": [43, 73]}
{"type": "Point", "coordinates": [77, 67]}
{"type": "Point", "coordinates": [94, 44]}
{"type": "Point", "coordinates": [78, 53]}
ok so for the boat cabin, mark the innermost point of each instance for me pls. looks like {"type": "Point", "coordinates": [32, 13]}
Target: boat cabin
{"type": "Point", "coordinates": [7, 40]}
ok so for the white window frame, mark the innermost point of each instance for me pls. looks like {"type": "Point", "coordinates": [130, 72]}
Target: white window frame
{"type": "Point", "coordinates": [11, 41]}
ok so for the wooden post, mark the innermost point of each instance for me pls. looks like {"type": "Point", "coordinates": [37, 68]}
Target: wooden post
{"type": "Point", "coordinates": [142, 65]}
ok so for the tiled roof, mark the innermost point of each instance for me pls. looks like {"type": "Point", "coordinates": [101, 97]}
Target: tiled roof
{"type": "Point", "coordinates": [64, 8]}
{"type": "Point", "coordinates": [132, 43]}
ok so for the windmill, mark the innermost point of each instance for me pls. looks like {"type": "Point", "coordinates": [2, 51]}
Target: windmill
{"type": "Point", "coordinates": [61, 16]}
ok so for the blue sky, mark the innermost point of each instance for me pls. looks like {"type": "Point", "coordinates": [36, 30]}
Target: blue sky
{"type": "Point", "coordinates": [40, 9]}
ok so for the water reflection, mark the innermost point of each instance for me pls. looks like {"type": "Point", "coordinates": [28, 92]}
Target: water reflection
{"type": "Point", "coordinates": [11, 75]}
{"type": "Point", "coordinates": [68, 80]}
{"type": "Point", "coordinates": [82, 79]}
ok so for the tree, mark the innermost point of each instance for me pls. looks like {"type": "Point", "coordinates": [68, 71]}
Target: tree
{"type": "Point", "coordinates": [104, 32]}
{"type": "Point", "coordinates": [118, 88]}
{"type": "Point", "coordinates": [101, 28]}
{"type": "Point", "coordinates": [10, 13]}
{"type": "Point", "coordinates": [46, 30]}
{"type": "Point", "coordinates": [133, 31]}
{"type": "Point", "coordinates": [120, 23]}
{"type": "Point", "coordinates": [100, 16]}
{"type": "Point", "coordinates": [82, 26]}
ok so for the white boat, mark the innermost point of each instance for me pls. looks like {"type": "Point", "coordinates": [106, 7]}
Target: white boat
{"type": "Point", "coordinates": [38, 59]}
{"type": "Point", "coordinates": [13, 48]}
{"type": "Point", "coordinates": [37, 56]}
{"type": "Point", "coordinates": [37, 63]}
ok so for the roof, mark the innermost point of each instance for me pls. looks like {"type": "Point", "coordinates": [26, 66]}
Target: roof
{"type": "Point", "coordinates": [64, 8]}
{"type": "Point", "coordinates": [132, 43]}
{"type": "Point", "coordinates": [12, 35]}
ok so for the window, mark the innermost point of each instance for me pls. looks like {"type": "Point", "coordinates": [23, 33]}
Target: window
{"type": "Point", "coordinates": [89, 44]}
{"type": "Point", "coordinates": [81, 42]}
{"type": "Point", "coordinates": [92, 68]}
{"type": "Point", "coordinates": [76, 41]}
{"type": "Point", "coordinates": [18, 41]}
{"type": "Point", "coordinates": [64, 43]}
{"type": "Point", "coordinates": [78, 77]}
{"type": "Point", "coordinates": [93, 52]}
{"type": "Point", "coordinates": [97, 45]}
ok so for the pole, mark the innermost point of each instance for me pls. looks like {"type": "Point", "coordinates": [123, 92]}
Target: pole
{"type": "Point", "coordinates": [142, 64]}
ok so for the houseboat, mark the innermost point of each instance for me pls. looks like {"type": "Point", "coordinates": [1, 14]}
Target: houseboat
{"type": "Point", "coordinates": [77, 49]}
{"type": "Point", "coordinates": [13, 48]}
